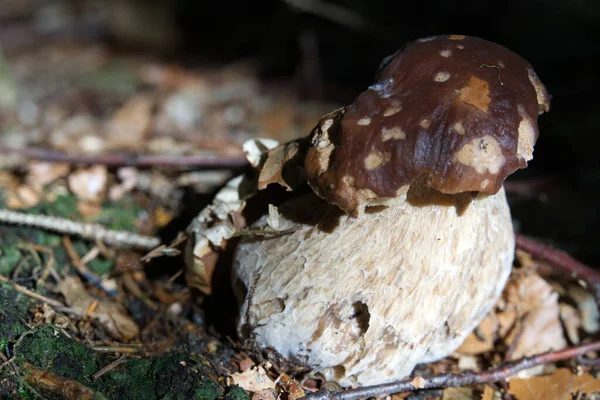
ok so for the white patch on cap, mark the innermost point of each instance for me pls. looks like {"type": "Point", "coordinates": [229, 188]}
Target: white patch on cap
{"type": "Point", "coordinates": [460, 46]}
{"type": "Point", "coordinates": [426, 123]}
{"type": "Point", "coordinates": [376, 159]}
{"type": "Point", "coordinates": [395, 133]}
{"type": "Point", "coordinates": [459, 128]}
{"type": "Point", "coordinates": [483, 154]}
{"type": "Point", "coordinates": [543, 99]}
{"type": "Point", "coordinates": [446, 53]}
{"type": "Point", "coordinates": [393, 109]}
{"type": "Point", "coordinates": [441, 76]}
{"type": "Point", "coordinates": [526, 137]}
{"type": "Point", "coordinates": [364, 121]}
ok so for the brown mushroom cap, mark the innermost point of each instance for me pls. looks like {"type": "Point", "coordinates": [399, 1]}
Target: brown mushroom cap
{"type": "Point", "coordinates": [460, 109]}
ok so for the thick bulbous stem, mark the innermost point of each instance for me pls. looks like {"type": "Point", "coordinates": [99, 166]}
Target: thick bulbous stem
{"type": "Point", "coordinates": [365, 299]}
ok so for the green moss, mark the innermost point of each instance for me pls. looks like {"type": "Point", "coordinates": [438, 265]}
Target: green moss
{"type": "Point", "coordinates": [170, 377]}
{"type": "Point", "coordinates": [119, 215]}
{"type": "Point", "coordinates": [13, 311]}
{"type": "Point", "coordinates": [236, 393]}
{"type": "Point", "coordinates": [9, 258]}
{"type": "Point", "coordinates": [48, 349]}
{"type": "Point", "coordinates": [64, 206]}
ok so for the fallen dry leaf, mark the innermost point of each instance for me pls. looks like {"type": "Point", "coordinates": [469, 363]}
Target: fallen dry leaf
{"type": "Point", "coordinates": [267, 394]}
{"type": "Point", "coordinates": [488, 393]}
{"type": "Point", "coordinates": [130, 124]}
{"type": "Point", "coordinates": [590, 317]}
{"type": "Point", "coordinates": [109, 314]}
{"type": "Point", "coordinates": [69, 136]}
{"type": "Point", "coordinates": [294, 390]}
{"type": "Point", "coordinates": [42, 173]}
{"type": "Point", "coordinates": [561, 385]}
{"type": "Point", "coordinates": [482, 340]}
{"type": "Point", "coordinates": [253, 380]}
{"type": "Point", "coordinates": [571, 321]}
{"type": "Point", "coordinates": [457, 393]}
{"type": "Point", "coordinates": [418, 382]}
{"type": "Point", "coordinates": [539, 314]}
{"type": "Point", "coordinates": [525, 259]}
{"type": "Point", "coordinates": [23, 196]}
{"type": "Point", "coordinates": [129, 178]}
{"type": "Point", "coordinates": [468, 363]}
{"type": "Point", "coordinates": [246, 364]}
{"type": "Point", "coordinates": [89, 184]}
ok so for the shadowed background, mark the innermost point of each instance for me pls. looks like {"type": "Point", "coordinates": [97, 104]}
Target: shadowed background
{"type": "Point", "coordinates": [329, 51]}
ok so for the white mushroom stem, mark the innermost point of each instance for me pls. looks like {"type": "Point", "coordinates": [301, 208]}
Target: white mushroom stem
{"type": "Point", "coordinates": [366, 299]}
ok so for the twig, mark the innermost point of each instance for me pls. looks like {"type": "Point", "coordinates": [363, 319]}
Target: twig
{"type": "Point", "coordinates": [87, 231]}
{"type": "Point", "coordinates": [49, 264]}
{"type": "Point", "coordinates": [83, 270]}
{"type": "Point", "coordinates": [115, 349]}
{"type": "Point", "coordinates": [109, 367]}
{"type": "Point", "coordinates": [119, 160]}
{"type": "Point", "coordinates": [7, 361]}
{"type": "Point", "coordinates": [588, 362]}
{"type": "Point", "coordinates": [31, 294]}
{"type": "Point", "coordinates": [438, 381]}
{"type": "Point", "coordinates": [563, 261]}
{"type": "Point", "coordinates": [64, 387]}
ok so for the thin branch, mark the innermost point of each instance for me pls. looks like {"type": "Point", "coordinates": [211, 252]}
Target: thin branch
{"type": "Point", "coordinates": [109, 367]}
{"type": "Point", "coordinates": [563, 261]}
{"type": "Point", "coordinates": [438, 381]}
{"type": "Point", "coordinates": [93, 232]}
{"type": "Point", "coordinates": [83, 270]}
{"type": "Point", "coordinates": [118, 160]}
{"type": "Point", "coordinates": [30, 293]}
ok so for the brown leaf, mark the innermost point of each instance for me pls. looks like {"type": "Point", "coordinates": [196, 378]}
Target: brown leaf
{"type": "Point", "coordinates": [587, 306]}
{"type": "Point", "coordinates": [283, 165]}
{"type": "Point", "coordinates": [482, 340]}
{"type": "Point", "coordinates": [572, 322]}
{"type": "Point", "coordinates": [294, 390]}
{"type": "Point", "coordinates": [246, 364]}
{"type": "Point", "coordinates": [460, 393]}
{"type": "Point", "coordinates": [130, 124]}
{"type": "Point", "coordinates": [23, 196]}
{"type": "Point", "coordinates": [109, 314]}
{"type": "Point", "coordinates": [253, 380]}
{"type": "Point", "coordinates": [561, 385]}
{"type": "Point", "coordinates": [267, 394]}
{"type": "Point", "coordinates": [488, 393]}
{"type": "Point", "coordinates": [42, 173]}
{"type": "Point", "coordinates": [537, 306]}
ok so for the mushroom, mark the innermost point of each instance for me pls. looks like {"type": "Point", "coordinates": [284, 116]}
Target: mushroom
{"type": "Point", "coordinates": [403, 241]}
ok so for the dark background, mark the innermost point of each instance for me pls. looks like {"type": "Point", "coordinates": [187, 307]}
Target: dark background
{"type": "Point", "coordinates": [329, 50]}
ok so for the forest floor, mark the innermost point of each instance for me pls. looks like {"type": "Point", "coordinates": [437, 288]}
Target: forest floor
{"type": "Point", "coordinates": [97, 136]}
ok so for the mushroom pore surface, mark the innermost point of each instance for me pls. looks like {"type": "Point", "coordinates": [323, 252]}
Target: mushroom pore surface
{"type": "Point", "coordinates": [365, 299]}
